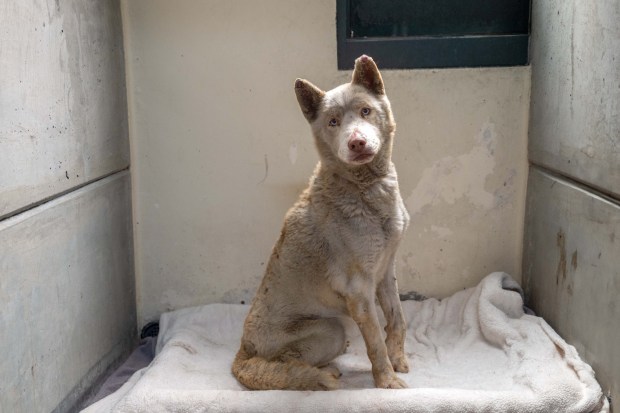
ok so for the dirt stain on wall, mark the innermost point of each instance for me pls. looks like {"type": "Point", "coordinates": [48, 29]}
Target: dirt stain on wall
{"type": "Point", "coordinates": [561, 270]}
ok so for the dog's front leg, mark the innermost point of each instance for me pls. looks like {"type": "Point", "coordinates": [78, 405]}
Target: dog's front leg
{"type": "Point", "coordinates": [364, 312]}
{"type": "Point", "coordinates": [387, 293]}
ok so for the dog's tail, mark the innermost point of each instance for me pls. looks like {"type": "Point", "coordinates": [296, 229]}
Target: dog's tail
{"type": "Point", "coordinates": [258, 373]}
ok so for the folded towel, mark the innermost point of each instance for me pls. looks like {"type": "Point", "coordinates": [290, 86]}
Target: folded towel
{"type": "Point", "coordinates": [476, 351]}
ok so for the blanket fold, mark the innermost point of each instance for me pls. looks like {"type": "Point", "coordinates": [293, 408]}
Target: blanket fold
{"type": "Point", "coordinates": [476, 351]}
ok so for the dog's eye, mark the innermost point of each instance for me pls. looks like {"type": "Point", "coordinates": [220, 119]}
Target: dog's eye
{"type": "Point", "coordinates": [333, 122]}
{"type": "Point", "coordinates": [365, 112]}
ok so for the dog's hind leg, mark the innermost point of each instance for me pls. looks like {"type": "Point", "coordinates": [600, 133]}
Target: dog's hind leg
{"type": "Point", "coordinates": [307, 344]}
{"type": "Point", "coordinates": [319, 341]}
{"type": "Point", "coordinates": [387, 293]}
{"type": "Point", "coordinates": [301, 363]}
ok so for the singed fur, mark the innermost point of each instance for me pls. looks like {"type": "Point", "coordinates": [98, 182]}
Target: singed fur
{"type": "Point", "coordinates": [335, 254]}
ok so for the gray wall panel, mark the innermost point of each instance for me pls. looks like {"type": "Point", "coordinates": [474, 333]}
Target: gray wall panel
{"type": "Point", "coordinates": [63, 111]}
{"type": "Point", "coordinates": [572, 269]}
{"type": "Point", "coordinates": [575, 99]}
{"type": "Point", "coordinates": [67, 300]}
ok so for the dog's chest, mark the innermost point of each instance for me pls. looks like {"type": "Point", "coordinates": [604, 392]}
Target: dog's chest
{"type": "Point", "coordinates": [373, 219]}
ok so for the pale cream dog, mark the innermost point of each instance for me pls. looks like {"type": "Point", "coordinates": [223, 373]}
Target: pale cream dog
{"type": "Point", "coordinates": [336, 250]}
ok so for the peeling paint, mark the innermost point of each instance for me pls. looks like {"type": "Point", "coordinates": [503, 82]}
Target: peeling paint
{"type": "Point", "coordinates": [455, 177]}
{"type": "Point", "coordinates": [442, 232]}
{"type": "Point", "coordinates": [408, 267]}
{"type": "Point", "coordinates": [266, 171]}
{"type": "Point", "coordinates": [589, 151]}
{"type": "Point", "coordinates": [292, 153]}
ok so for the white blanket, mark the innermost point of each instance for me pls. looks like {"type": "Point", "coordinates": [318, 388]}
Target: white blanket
{"type": "Point", "coordinates": [473, 352]}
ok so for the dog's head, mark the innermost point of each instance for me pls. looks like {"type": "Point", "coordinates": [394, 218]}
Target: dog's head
{"type": "Point", "coordinates": [353, 123]}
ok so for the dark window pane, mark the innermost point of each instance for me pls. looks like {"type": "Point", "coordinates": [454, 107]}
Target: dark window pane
{"type": "Point", "coordinates": [401, 18]}
{"type": "Point", "coordinates": [405, 34]}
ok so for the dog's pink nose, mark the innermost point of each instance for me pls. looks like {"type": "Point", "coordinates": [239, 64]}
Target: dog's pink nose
{"type": "Point", "coordinates": [357, 142]}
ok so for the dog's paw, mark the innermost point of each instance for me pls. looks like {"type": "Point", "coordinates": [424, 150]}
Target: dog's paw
{"type": "Point", "coordinates": [400, 364]}
{"type": "Point", "coordinates": [333, 370]}
{"type": "Point", "coordinates": [328, 380]}
{"type": "Point", "coordinates": [390, 382]}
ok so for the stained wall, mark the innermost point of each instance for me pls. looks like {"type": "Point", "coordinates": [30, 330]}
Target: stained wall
{"type": "Point", "coordinates": [221, 150]}
{"type": "Point", "coordinates": [571, 263]}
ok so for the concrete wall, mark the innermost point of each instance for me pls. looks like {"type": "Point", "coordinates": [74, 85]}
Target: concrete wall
{"type": "Point", "coordinates": [572, 269]}
{"type": "Point", "coordinates": [63, 119]}
{"type": "Point", "coordinates": [221, 150]}
{"type": "Point", "coordinates": [67, 298]}
{"type": "Point", "coordinates": [571, 261]}
{"type": "Point", "coordinates": [575, 54]}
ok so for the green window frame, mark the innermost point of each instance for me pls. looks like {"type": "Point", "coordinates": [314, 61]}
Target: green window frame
{"type": "Point", "coordinates": [411, 34]}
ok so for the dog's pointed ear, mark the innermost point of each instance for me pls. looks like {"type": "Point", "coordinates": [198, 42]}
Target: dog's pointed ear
{"type": "Point", "coordinates": [309, 98]}
{"type": "Point", "coordinates": [367, 74]}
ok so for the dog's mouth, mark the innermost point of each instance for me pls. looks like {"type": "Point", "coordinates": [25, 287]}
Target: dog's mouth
{"type": "Point", "coordinates": [363, 158]}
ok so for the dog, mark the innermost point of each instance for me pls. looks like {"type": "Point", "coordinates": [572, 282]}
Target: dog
{"type": "Point", "coordinates": [335, 253]}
